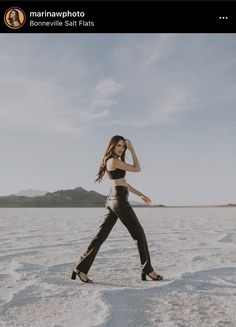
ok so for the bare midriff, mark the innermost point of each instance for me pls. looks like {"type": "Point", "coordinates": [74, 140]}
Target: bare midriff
{"type": "Point", "coordinates": [119, 181]}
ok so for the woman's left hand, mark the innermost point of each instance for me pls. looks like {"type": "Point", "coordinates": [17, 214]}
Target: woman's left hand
{"type": "Point", "coordinates": [146, 199]}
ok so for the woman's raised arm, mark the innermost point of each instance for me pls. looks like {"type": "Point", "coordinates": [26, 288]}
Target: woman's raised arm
{"type": "Point", "coordinates": [116, 163]}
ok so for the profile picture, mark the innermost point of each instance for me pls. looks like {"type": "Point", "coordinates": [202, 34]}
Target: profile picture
{"type": "Point", "coordinates": [14, 17]}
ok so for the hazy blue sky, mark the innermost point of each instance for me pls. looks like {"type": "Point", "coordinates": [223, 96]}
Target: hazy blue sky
{"type": "Point", "coordinates": [64, 95]}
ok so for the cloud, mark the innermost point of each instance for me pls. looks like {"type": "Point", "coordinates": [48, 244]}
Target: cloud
{"type": "Point", "coordinates": [103, 93]}
{"type": "Point", "coordinates": [157, 49]}
{"type": "Point", "coordinates": [107, 87]}
{"type": "Point", "coordinates": [62, 96]}
{"type": "Point", "coordinates": [227, 129]}
{"type": "Point", "coordinates": [35, 104]}
{"type": "Point", "coordinates": [51, 88]}
{"type": "Point", "coordinates": [141, 52]}
{"type": "Point", "coordinates": [167, 108]}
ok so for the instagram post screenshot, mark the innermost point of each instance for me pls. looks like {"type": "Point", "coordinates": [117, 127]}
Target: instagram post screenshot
{"type": "Point", "coordinates": [117, 179]}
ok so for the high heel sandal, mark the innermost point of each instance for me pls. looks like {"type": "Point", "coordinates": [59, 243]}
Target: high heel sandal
{"type": "Point", "coordinates": [77, 272]}
{"type": "Point", "coordinates": [143, 277]}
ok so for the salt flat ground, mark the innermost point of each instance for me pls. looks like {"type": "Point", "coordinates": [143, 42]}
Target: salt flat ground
{"type": "Point", "coordinates": [193, 248]}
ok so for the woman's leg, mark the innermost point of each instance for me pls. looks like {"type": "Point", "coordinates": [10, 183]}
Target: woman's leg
{"type": "Point", "coordinates": [128, 217]}
{"type": "Point", "coordinates": [105, 228]}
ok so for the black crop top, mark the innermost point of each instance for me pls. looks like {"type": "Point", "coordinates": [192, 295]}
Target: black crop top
{"type": "Point", "coordinates": [117, 173]}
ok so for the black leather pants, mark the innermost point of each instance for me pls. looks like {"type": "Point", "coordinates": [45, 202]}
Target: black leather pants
{"type": "Point", "coordinates": [117, 206]}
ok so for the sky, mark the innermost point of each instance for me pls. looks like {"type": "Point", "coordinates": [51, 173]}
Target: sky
{"type": "Point", "coordinates": [63, 96]}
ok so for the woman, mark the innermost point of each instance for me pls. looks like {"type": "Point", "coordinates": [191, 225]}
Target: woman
{"type": "Point", "coordinates": [117, 206]}
{"type": "Point", "coordinates": [14, 18]}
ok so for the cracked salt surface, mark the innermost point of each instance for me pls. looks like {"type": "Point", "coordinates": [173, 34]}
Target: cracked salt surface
{"type": "Point", "coordinates": [193, 248]}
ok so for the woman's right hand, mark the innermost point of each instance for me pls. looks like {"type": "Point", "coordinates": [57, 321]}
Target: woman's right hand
{"type": "Point", "coordinates": [128, 144]}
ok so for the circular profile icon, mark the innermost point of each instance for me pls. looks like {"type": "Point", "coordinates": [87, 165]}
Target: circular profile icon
{"type": "Point", "coordinates": [14, 17]}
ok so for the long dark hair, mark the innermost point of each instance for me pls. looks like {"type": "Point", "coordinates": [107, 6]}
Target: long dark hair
{"type": "Point", "coordinates": [108, 154]}
{"type": "Point", "coordinates": [17, 17]}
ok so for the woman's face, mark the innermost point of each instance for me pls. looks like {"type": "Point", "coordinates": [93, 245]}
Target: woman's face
{"type": "Point", "coordinates": [12, 14]}
{"type": "Point", "coordinates": [119, 148]}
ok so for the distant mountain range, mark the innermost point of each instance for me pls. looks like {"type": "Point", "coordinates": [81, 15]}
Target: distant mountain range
{"type": "Point", "coordinates": [30, 193]}
{"type": "Point", "coordinates": [77, 197]}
